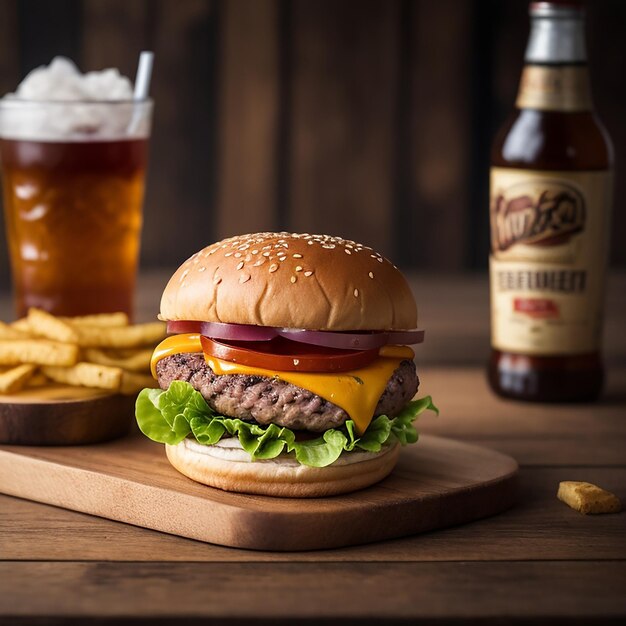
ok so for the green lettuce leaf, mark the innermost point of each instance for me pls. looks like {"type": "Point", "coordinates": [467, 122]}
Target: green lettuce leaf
{"type": "Point", "coordinates": [181, 411]}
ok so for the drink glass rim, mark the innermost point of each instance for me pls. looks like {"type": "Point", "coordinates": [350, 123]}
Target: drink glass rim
{"type": "Point", "coordinates": [8, 102]}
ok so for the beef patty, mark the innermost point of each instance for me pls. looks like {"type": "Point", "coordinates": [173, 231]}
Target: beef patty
{"type": "Point", "coordinates": [272, 401]}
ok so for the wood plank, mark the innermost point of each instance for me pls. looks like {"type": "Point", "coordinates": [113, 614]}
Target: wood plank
{"type": "Point", "coordinates": [9, 51]}
{"type": "Point", "coordinates": [249, 108]}
{"type": "Point", "coordinates": [587, 592]}
{"type": "Point", "coordinates": [342, 119]}
{"type": "Point", "coordinates": [539, 527]}
{"type": "Point", "coordinates": [181, 179]}
{"type": "Point", "coordinates": [9, 79]}
{"type": "Point", "coordinates": [435, 221]}
{"type": "Point", "coordinates": [605, 27]}
{"type": "Point", "coordinates": [443, 483]}
{"type": "Point", "coordinates": [114, 33]}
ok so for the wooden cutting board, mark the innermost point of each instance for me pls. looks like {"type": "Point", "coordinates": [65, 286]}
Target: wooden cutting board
{"type": "Point", "coordinates": [437, 483]}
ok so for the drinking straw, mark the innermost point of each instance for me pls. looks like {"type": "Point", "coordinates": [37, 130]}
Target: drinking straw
{"type": "Point", "coordinates": [144, 73]}
{"type": "Point", "coordinates": [142, 87]}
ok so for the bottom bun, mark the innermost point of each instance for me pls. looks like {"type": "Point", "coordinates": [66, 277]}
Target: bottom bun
{"type": "Point", "coordinates": [228, 467]}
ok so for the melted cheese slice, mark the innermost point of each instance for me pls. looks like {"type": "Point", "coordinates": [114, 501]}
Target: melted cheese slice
{"type": "Point", "coordinates": [356, 391]}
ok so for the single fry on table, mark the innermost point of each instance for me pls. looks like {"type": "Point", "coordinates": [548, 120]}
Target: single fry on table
{"type": "Point", "coordinates": [587, 498]}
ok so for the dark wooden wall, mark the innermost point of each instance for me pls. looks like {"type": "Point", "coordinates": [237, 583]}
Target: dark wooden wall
{"type": "Point", "coordinates": [366, 118]}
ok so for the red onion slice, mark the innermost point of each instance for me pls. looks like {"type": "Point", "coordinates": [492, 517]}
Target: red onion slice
{"type": "Point", "coordinates": [405, 337]}
{"type": "Point", "coordinates": [328, 339]}
{"type": "Point", "coordinates": [237, 332]}
{"type": "Point", "coordinates": [178, 327]}
{"type": "Point", "coordinates": [234, 332]}
{"type": "Point", "coordinates": [338, 340]}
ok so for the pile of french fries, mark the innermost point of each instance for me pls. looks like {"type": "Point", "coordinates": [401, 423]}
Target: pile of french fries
{"type": "Point", "coordinates": [102, 351]}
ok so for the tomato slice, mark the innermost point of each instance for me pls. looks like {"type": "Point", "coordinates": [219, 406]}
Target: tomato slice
{"type": "Point", "coordinates": [287, 356]}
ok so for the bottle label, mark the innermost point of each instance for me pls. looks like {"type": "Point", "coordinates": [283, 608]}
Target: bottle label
{"type": "Point", "coordinates": [549, 243]}
{"type": "Point", "coordinates": [554, 88]}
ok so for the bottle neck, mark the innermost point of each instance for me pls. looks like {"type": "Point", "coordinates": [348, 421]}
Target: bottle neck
{"type": "Point", "coordinates": [557, 37]}
{"type": "Point", "coordinates": [555, 77]}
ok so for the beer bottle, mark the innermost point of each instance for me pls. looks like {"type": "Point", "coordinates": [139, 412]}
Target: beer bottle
{"type": "Point", "coordinates": [550, 198]}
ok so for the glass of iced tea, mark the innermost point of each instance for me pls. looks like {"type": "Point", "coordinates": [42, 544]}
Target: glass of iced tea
{"type": "Point", "coordinates": [73, 173]}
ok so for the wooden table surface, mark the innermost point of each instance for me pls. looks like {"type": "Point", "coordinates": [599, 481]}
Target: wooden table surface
{"type": "Point", "coordinates": [540, 562]}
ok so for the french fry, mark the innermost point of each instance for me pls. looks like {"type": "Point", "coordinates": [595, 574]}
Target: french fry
{"type": "Point", "coordinates": [37, 352]}
{"type": "Point", "coordinates": [100, 320]}
{"type": "Point", "coordinates": [86, 375]}
{"type": "Point", "coordinates": [43, 324]}
{"type": "Point", "coordinates": [9, 332]}
{"type": "Point", "coordinates": [22, 325]}
{"type": "Point", "coordinates": [587, 498]}
{"type": "Point", "coordinates": [135, 360]}
{"type": "Point", "coordinates": [38, 379]}
{"type": "Point", "coordinates": [14, 379]}
{"type": "Point", "coordinates": [133, 383]}
{"type": "Point", "coordinates": [120, 337]}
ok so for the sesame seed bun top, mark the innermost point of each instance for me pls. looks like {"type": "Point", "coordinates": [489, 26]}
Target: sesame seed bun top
{"type": "Point", "coordinates": [291, 280]}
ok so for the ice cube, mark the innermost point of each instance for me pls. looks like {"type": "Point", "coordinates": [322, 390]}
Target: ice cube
{"type": "Point", "coordinates": [61, 81]}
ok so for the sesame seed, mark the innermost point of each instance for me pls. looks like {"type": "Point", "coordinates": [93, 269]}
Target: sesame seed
{"type": "Point", "coordinates": [212, 251]}
{"type": "Point", "coordinates": [239, 265]}
{"type": "Point", "coordinates": [217, 280]}
{"type": "Point", "coordinates": [379, 259]}
{"type": "Point", "coordinates": [201, 269]}
{"type": "Point", "coordinates": [347, 251]}
{"type": "Point", "coordinates": [237, 255]}
{"type": "Point", "coordinates": [255, 252]}
{"type": "Point", "coordinates": [296, 256]}
{"type": "Point", "coordinates": [293, 279]}
{"type": "Point", "coordinates": [298, 268]}
{"type": "Point", "coordinates": [259, 261]}
{"type": "Point", "coordinates": [371, 274]}
{"type": "Point", "coordinates": [228, 254]}
{"type": "Point", "coordinates": [273, 267]}
{"type": "Point", "coordinates": [244, 278]}
{"type": "Point", "coordinates": [310, 242]}
{"type": "Point", "coordinates": [308, 273]}
{"type": "Point", "coordinates": [296, 361]}
{"type": "Point", "coordinates": [266, 254]}
{"type": "Point", "coordinates": [356, 293]}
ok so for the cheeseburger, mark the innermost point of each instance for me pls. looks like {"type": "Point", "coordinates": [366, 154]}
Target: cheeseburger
{"type": "Point", "coordinates": [287, 371]}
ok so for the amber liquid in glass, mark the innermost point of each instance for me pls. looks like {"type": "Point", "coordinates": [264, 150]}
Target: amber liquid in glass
{"type": "Point", "coordinates": [73, 213]}
{"type": "Point", "coordinates": [560, 141]}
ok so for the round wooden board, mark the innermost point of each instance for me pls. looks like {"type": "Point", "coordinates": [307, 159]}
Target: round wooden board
{"type": "Point", "coordinates": [437, 483]}
{"type": "Point", "coordinates": [54, 415]}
